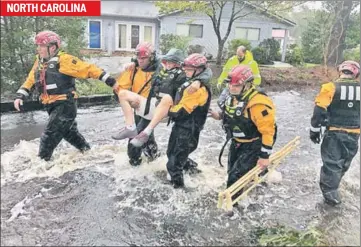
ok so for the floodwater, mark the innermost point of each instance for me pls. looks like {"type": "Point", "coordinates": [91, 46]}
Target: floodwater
{"type": "Point", "coordinates": [97, 198]}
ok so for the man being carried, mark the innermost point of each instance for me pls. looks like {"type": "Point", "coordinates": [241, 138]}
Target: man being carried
{"type": "Point", "coordinates": [188, 110]}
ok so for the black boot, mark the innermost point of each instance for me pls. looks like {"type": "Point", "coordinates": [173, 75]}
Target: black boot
{"type": "Point", "coordinates": [332, 198]}
{"type": "Point", "coordinates": [178, 182]}
{"type": "Point", "coordinates": [135, 162]}
{"type": "Point", "coordinates": [86, 147]}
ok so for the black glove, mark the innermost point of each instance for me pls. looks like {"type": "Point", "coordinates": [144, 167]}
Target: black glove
{"type": "Point", "coordinates": [110, 81]}
{"type": "Point", "coordinates": [315, 137]}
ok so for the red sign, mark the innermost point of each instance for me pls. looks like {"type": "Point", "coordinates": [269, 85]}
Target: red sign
{"type": "Point", "coordinates": [50, 8]}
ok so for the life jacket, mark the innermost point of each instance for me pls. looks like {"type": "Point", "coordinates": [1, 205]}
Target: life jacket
{"type": "Point", "coordinates": [48, 79]}
{"type": "Point", "coordinates": [344, 110]}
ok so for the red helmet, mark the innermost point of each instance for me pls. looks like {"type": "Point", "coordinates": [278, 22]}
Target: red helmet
{"type": "Point", "coordinates": [47, 38]}
{"type": "Point", "coordinates": [144, 50]}
{"type": "Point", "coordinates": [195, 60]}
{"type": "Point", "coordinates": [240, 75]}
{"type": "Point", "coordinates": [350, 66]}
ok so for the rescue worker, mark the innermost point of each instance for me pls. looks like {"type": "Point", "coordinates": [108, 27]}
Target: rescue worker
{"type": "Point", "coordinates": [189, 114]}
{"type": "Point", "coordinates": [337, 107]}
{"type": "Point", "coordinates": [53, 75]}
{"type": "Point", "coordinates": [243, 57]}
{"type": "Point", "coordinates": [133, 89]}
{"type": "Point", "coordinates": [248, 117]}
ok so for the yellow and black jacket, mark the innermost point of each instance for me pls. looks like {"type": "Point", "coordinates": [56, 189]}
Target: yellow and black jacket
{"type": "Point", "coordinates": [138, 80]}
{"type": "Point", "coordinates": [337, 106]}
{"type": "Point", "coordinates": [55, 79]}
{"type": "Point", "coordinates": [250, 117]}
{"type": "Point", "coordinates": [190, 110]}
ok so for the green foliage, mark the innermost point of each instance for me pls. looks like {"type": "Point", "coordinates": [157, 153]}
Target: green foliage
{"type": "Point", "coordinates": [17, 44]}
{"type": "Point", "coordinates": [259, 54]}
{"type": "Point", "coordinates": [281, 236]}
{"type": "Point", "coordinates": [235, 43]}
{"type": "Point", "coordinates": [315, 37]}
{"type": "Point", "coordinates": [267, 51]}
{"type": "Point", "coordinates": [168, 41]}
{"type": "Point", "coordinates": [92, 87]}
{"type": "Point", "coordinates": [352, 54]}
{"type": "Point", "coordinates": [166, 7]}
{"type": "Point", "coordinates": [353, 31]}
{"type": "Point", "coordinates": [294, 55]}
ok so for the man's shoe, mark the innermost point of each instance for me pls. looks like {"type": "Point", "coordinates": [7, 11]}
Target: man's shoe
{"type": "Point", "coordinates": [140, 140]}
{"type": "Point", "coordinates": [125, 133]}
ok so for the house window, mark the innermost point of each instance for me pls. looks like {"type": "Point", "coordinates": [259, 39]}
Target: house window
{"type": "Point", "coordinates": [129, 35]}
{"type": "Point", "coordinates": [247, 33]}
{"type": "Point", "coordinates": [122, 32]}
{"type": "Point", "coordinates": [95, 34]}
{"type": "Point", "coordinates": [148, 30]}
{"type": "Point", "coordinates": [191, 30]}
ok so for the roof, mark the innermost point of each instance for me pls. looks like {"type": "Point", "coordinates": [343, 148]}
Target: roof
{"type": "Point", "coordinates": [273, 15]}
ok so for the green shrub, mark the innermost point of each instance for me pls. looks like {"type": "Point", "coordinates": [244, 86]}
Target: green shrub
{"type": "Point", "coordinates": [234, 44]}
{"type": "Point", "coordinates": [168, 41]}
{"type": "Point", "coordinates": [352, 54]}
{"type": "Point", "coordinates": [294, 55]}
{"type": "Point", "coordinates": [92, 87]}
{"type": "Point", "coordinates": [259, 54]}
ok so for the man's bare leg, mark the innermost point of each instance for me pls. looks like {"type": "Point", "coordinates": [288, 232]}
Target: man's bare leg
{"type": "Point", "coordinates": [161, 111]}
{"type": "Point", "coordinates": [126, 98]}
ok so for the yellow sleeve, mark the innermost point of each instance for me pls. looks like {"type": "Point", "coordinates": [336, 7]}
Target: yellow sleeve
{"type": "Point", "coordinates": [264, 118]}
{"type": "Point", "coordinates": [226, 69]}
{"type": "Point", "coordinates": [256, 73]}
{"type": "Point", "coordinates": [190, 101]}
{"type": "Point", "coordinates": [324, 98]}
{"type": "Point", "coordinates": [77, 68]}
{"type": "Point", "coordinates": [29, 82]}
{"type": "Point", "coordinates": [124, 80]}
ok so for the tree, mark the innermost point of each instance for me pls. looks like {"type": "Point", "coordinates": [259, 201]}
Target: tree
{"type": "Point", "coordinates": [215, 10]}
{"type": "Point", "coordinates": [18, 49]}
{"type": "Point", "coordinates": [315, 37]}
{"type": "Point", "coordinates": [336, 43]}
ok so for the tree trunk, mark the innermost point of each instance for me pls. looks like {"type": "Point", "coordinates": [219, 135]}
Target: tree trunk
{"type": "Point", "coordinates": [220, 52]}
{"type": "Point", "coordinates": [336, 43]}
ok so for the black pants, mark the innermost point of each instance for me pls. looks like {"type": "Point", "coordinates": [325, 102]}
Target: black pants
{"type": "Point", "coordinates": [150, 149]}
{"type": "Point", "coordinates": [337, 151]}
{"type": "Point", "coordinates": [182, 142]}
{"type": "Point", "coordinates": [61, 125]}
{"type": "Point", "coordinates": [242, 158]}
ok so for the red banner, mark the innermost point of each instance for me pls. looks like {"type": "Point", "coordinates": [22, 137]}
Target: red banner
{"type": "Point", "coordinates": [50, 8]}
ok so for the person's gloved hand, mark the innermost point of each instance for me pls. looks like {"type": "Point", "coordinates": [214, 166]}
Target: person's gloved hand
{"type": "Point", "coordinates": [110, 81]}
{"type": "Point", "coordinates": [315, 137]}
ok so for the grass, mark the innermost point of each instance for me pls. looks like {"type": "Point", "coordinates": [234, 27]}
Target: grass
{"type": "Point", "coordinates": [310, 65]}
{"type": "Point", "coordinates": [282, 236]}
